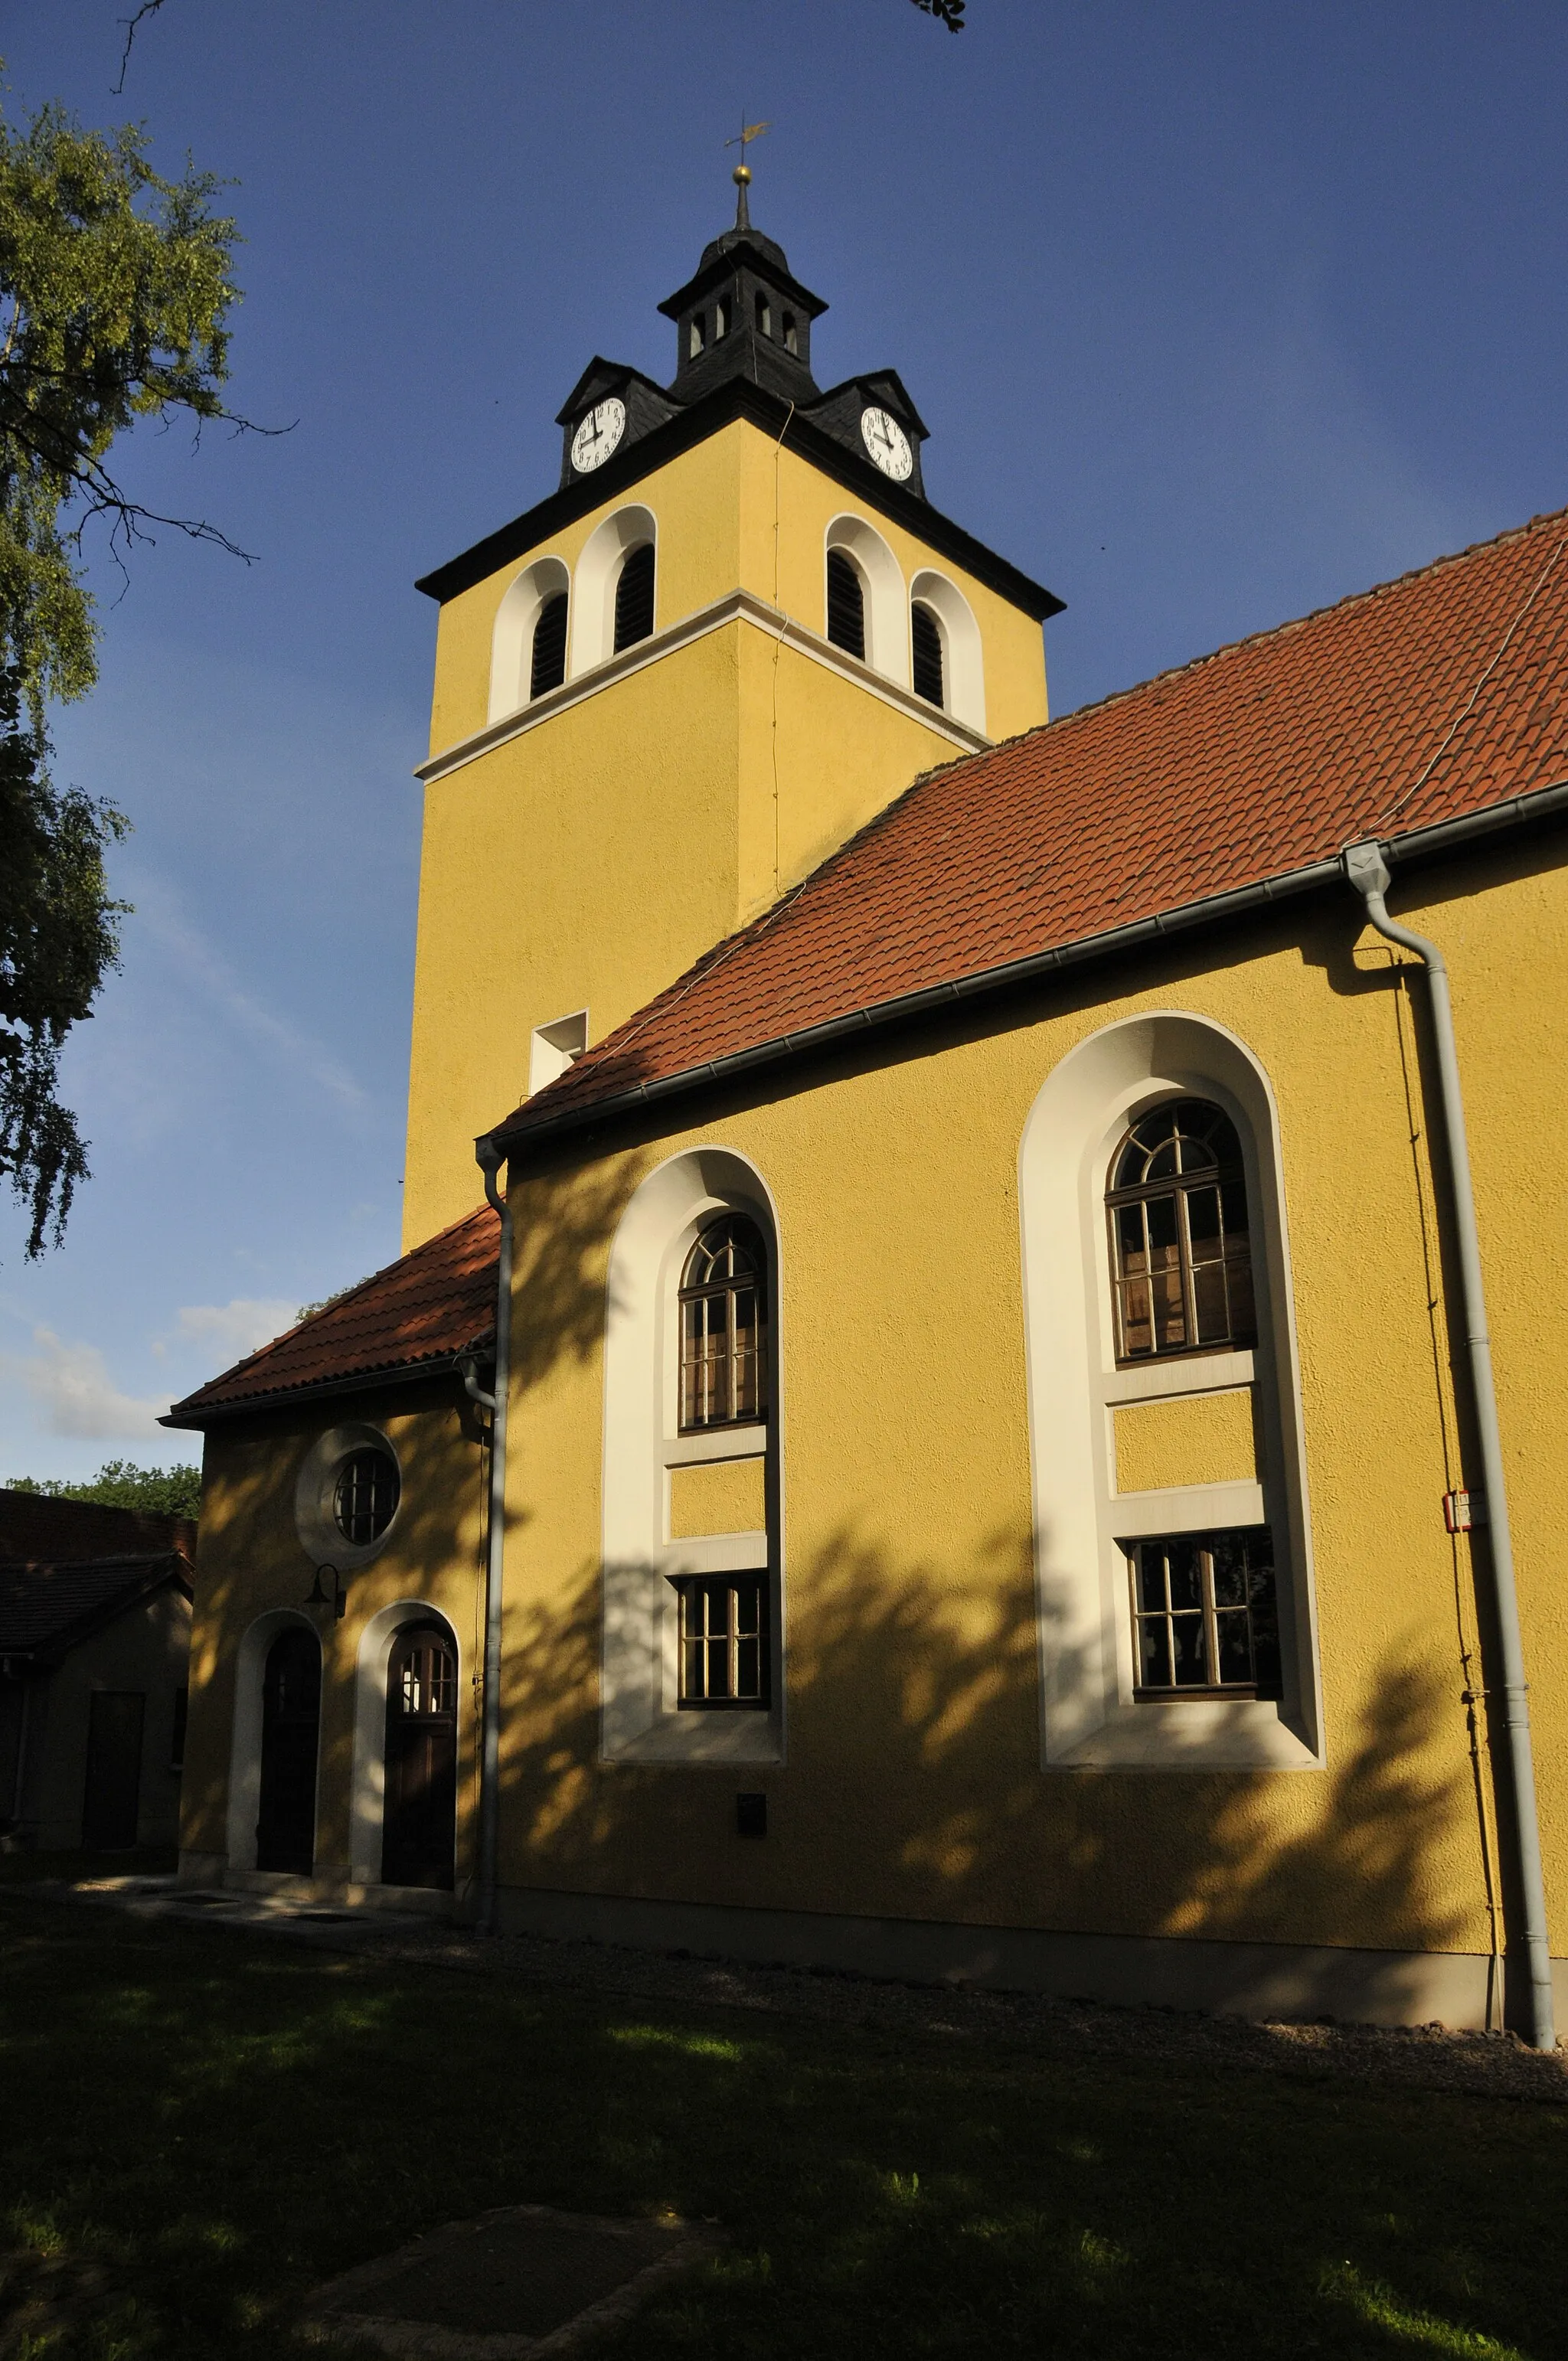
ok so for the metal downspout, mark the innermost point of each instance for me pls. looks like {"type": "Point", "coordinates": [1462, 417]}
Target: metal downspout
{"type": "Point", "coordinates": [1367, 873]}
{"type": "Point", "coordinates": [490, 1158]}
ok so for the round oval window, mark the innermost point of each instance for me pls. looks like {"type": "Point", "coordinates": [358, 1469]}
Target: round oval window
{"type": "Point", "coordinates": [366, 1495]}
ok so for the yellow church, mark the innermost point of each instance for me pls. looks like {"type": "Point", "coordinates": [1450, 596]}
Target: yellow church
{"type": "Point", "coordinates": [969, 1393]}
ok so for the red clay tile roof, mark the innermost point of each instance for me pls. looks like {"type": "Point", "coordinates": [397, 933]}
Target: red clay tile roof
{"type": "Point", "coordinates": [419, 1313]}
{"type": "Point", "coordinates": [1428, 698]}
{"type": "Point", "coordinates": [38, 1526]}
{"type": "Point", "coordinates": [46, 1607]}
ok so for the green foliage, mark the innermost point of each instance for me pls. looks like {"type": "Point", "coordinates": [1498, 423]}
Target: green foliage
{"type": "Point", "coordinates": [115, 289]}
{"type": "Point", "coordinates": [947, 12]}
{"type": "Point", "coordinates": [57, 941]}
{"type": "Point", "coordinates": [120, 1484]}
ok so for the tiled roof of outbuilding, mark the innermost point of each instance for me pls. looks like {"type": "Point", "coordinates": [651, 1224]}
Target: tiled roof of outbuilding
{"type": "Point", "coordinates": [40, 1526]}
{"type": "Point", "coordinates": [1428, 698]}
{"type": "Point", "coordinates": [419, 1313]}
{"type": "Point", "coordinates": [45, 1606]}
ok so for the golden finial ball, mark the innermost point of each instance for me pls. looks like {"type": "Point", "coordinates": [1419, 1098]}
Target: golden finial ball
{"type": "Point", "coordinates": [742, 175]}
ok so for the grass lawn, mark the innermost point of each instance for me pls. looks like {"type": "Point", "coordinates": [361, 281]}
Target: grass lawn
{"type": "Point", "coordinates": [219, 2122]}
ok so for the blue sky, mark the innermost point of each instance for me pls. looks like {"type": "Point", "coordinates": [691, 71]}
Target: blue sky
{"type": "Point", "coordinates": [1216, 313]}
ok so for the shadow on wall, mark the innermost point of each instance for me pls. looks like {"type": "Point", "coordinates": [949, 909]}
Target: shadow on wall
{"type": "Point", "coordinates": [914, 1791]}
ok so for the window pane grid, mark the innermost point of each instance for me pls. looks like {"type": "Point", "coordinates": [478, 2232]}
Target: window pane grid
{"type": "Point", "coordinates": [722, 1304]}
{"type": "Point", "coordinates": [723, 1647]}
{"type": "Point", "coordinates": [1205, 1617]}
{"type": "Point", "coordinates": [1180, 1252]}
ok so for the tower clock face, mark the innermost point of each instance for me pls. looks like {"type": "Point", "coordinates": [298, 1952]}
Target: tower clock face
{"type": "Point", "coordinates": [887, 443]}
{"type": "Point", "coordinates": [599, 433]}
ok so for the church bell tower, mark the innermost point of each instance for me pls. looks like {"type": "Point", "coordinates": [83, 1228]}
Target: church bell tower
{"type": "Point", "coordinates": [735, 632]}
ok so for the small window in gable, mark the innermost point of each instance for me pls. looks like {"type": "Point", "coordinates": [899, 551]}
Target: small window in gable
{"type": "Point", "coordinates": [556, 1046]}
{"type": "Point", "coordinates": [792, 343]}
{"type": "Point", "coordinates": [695, 337]}
{"type": "Point", "coordinates": [721, 319]}
{"type": "Point", "coordinates": [547, 669]}
{"type": "Point", "coordinates": [723, 1311]}
{"type": "Point", "coordinates": [634, 599]}
{"type": "Point", "coordinates": [925, 654]}
{"type": "Point", "coordinates": [846, 605]}
{"type": "Point", "coordinates": [764, 315]}
{"type": "Point", "coordinates": [1180, 1250]}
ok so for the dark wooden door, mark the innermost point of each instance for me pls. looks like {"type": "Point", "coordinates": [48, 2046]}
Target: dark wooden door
{"type": "Point", "coordinates": [290, 1726]}
{"type": "Point", "coordinates": [114, 1769]}
{"type": "Point", "coordinates": [419, 1820]}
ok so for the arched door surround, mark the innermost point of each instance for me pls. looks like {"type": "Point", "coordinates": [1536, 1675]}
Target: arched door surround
{"type": "Point", "coordinates": [291, 1735]}
{"type": "Point", "coordinates": [419, 1819]}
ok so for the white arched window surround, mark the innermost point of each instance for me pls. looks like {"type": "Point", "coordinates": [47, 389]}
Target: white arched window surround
{"type": "Point", "coordinates": [245, 1748]}
{"type": "Point", "coordinates": [1090, 1717]}
{"type": "Point", "coordinates": [512, 641]}
{"type": "Point", "coordinates": [963, 668]}
{"type": "Point", "coordinates": [640, 1718]}
{"type": "Point", "coordinates": [882, 581]}
{"type": "Point", "coordinates": [598, 570]}
{"type": "Point", "coordinates": [368, 1788]}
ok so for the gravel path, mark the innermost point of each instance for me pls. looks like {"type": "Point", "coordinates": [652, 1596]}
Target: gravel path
{"type": "Point", "coordinates": [1428, 2058]}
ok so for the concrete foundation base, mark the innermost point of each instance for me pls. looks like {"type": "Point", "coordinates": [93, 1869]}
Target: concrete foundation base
{"type": "Point", "coordinates": [1285, 1983]}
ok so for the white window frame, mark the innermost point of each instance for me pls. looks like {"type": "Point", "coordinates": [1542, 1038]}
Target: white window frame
{"type": "Point", "coordinates": [886, 602]}
{"type": "Point", "coordinates": [963, 661]}
{"type": "Point", "coordinates": [512, 638]}
{"type": "Point", "coordinates": [1089, 1716]}
{"type": "Point", "coordinates": [597, 572]}
{"type": "Point", "coordinates": [640, 1718]}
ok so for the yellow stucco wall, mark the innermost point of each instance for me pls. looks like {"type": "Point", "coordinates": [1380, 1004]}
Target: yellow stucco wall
{"type": "Point", "coordinates": [909, 1641]}
{"type": "Point", "coordinates": [250, 1562]}
{"type": "Point", "coordinates": [1207, 1439]}
{"type": "Point", "coordinates": [588, 861]}
{"type": "Point", "coordinates": [724, 1495]}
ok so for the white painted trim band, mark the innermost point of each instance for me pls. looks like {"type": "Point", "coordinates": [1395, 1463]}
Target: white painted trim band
{"type": "Point", "coordinates": [739, 606]}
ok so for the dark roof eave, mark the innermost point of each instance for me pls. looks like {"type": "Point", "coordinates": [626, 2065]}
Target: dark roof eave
{"type": "Point", "coordinates": [738, 398]}
{"type": "Point", "coordinates": [172, 1567]}
{"type": "Point", "coordinates": [394, 1372]}
{"type": "Point", "coordinates": [1419, 844]}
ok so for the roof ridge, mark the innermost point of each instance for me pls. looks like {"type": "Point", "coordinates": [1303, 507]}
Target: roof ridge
{"type": "Point", "coordinates": [349, 1294]}
{"type": "Point", "coordinates": [1543, 518]}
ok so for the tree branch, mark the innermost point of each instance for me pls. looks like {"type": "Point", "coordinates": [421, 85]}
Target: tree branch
{"type": "Point", "coordinates": [150, 8]}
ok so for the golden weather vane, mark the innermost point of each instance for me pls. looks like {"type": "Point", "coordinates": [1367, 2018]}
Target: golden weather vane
{"type": "Point", "coordinates": [742, 175]}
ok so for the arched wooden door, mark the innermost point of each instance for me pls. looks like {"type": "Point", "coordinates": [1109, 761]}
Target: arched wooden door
{"type": "Point", "coordinates": [290, 1726]}
{"type": "Point", "coordinates": [419, 1825]}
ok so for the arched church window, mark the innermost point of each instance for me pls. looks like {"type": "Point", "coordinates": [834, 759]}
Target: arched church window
{"type": "Point", "coordinates": [723, 1311]}
{"type": "Point", "coordinates": [694, 340]}
{"type": "Point", "coordinates": [764, 315]}
{"type": "Point", "coordinates": [925, 654]}
{"type": "Point", "coordinates": [846, 605]}
{"type": "Point", "coordinates": [1180, 1250]}
{"type": "Point", "coordinates": [792, 343]}
{"type": "Point", "coordinates": [721, 319]}
{"type": "Point", "coordinates": [366, 1497]}
{"type": "Point", "coordinates": [548, 667]}
{"type": "Point", "coordinates": [634, 597]}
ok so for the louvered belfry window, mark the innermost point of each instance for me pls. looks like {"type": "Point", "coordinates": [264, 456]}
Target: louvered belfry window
{"type": "Point", "coordinates": [724, 1327]}
{"type": "Point", "coordinates": [634, 599]}
{"type": "Point", "coordinates": [925, 654]}
{"type": "Point", "coordinates": [548, 669]}
{"type": "Point", "coordinates": [846, 605]}
{"type": "Point", "coordinates": [1180, 1252]}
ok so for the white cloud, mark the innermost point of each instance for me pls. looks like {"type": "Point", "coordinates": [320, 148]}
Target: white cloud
{"type": "Point", "coordinates": [232, 1330]}
{"type": "Point", "coordinates": [70, 1387]}
{"type": "Point", "coordinates": [204, 965]}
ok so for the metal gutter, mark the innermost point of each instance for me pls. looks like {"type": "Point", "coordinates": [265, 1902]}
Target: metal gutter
{"type": "Point", "coordinates": [1367, 875]}
{"type": "Point", "coordinates": [1418, 844]}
